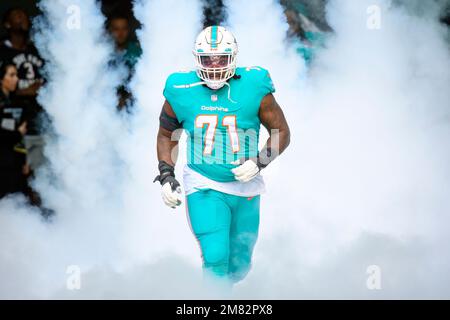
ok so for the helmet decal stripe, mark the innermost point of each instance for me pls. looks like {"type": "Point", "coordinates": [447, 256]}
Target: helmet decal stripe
{"type": "Point", "coordinates": [214, 37]}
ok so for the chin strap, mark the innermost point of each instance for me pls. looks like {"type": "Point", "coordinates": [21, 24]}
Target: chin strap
{"type": "Point", "coordinates": [229, 92]}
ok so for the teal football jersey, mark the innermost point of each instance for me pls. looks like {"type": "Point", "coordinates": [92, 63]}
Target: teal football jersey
{"type": "Point", "coordinates": [222, 125]}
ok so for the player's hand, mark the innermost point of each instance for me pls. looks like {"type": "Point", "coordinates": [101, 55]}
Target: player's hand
{"type": "Point", "coordinates": [171, 192]}
{"type": "Point", "coordinates": [171, 189]}
{"type": "Point", "coordinates": [247, 170]}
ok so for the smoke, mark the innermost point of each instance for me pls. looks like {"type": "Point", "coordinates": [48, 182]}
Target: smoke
{"type": "Point", "coordinates": [83, 159]}
{"type": "Point", "coordinates": [366, 178]}
{"type": "Point", "coordinates": [109, 215]}
{"type": "Point", "coordinates": [364, 182]}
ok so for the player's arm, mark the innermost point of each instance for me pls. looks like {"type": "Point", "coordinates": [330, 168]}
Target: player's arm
{"type": "Point", "coordinates": [167, 143]}
{"type": "Point", "coordinates": [272, 118]}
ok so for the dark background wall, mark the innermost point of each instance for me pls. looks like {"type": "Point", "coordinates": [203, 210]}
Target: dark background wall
{"type": "Point", "coordinates": [29, 5]}
{"type": "Point", "coordinates": [214, 10]}
{"type": "Point", "coordinates": [109, 7]}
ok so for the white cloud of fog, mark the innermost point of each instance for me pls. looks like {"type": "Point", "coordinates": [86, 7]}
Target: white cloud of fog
{"type": "Point", "coordinates": [83, 161]}
{"type": "Point", "coordinates": [365, 180]}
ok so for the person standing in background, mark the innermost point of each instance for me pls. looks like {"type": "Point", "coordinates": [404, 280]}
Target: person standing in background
{"type": "Point", "coordinates": [12, 130]}
{"type": "Point", "coordinates": [127, 52]}
{"type": "Point", "coordinates": [128, 49]}
{"type": "Point", "coordinates": [18, 49]}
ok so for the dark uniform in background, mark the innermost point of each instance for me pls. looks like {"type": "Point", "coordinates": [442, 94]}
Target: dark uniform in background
{"type": "Point", "coordinates": [28, 64]}
{"type": "Point", "coordinates": [17, 49]}
{"type": "Point", "coordinates": [12, 159]}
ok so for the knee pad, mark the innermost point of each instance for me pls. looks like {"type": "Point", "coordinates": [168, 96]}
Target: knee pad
{"type": "Point", "coordinates": [215, 255]}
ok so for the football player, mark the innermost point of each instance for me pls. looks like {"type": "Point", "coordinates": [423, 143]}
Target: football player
{"type": "Point", "coordinates": [221, 107]}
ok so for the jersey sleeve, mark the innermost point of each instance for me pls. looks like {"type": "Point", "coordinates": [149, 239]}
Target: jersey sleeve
{"type": "Point", "coordinates": [263, 82]}
{"type": "Point", "coordinates": [172, 96]}
{"type": "Point", "coordinates": [266, 83]}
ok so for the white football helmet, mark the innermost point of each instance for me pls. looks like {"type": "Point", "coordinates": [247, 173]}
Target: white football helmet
{"type": "Point", "coordinates": [215, 54]}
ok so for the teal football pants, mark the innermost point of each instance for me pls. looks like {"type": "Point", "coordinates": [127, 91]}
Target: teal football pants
{"type": "Point", "coordinates": [226, 227]}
